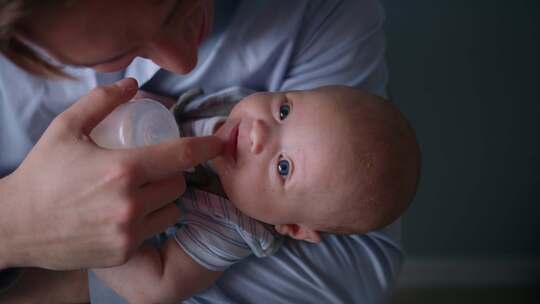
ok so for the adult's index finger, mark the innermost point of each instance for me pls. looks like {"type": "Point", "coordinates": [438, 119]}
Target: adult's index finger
{"type": "Point", "coordinates": [92, 108]}
{"type": "Point", "coordinates": [175, 156]}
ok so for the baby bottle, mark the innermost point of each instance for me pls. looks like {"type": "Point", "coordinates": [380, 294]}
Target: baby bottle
{"type": "Point", "coordinates": [136, 123]}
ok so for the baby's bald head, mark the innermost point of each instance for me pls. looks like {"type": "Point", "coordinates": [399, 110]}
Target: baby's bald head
{"type": "Point", "coordinates": [331, 159]}
{"type": "Point", "coordinates": [378, 166]}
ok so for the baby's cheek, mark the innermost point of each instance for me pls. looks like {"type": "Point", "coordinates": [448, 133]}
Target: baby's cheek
{"type": "Point", "coordinates": [241, 189]}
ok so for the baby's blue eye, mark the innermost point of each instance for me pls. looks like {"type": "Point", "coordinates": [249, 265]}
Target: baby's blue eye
{"type": "Point", "coordinates": [283, 167]}
{"type": "Point", "coordinates": [284, 110]}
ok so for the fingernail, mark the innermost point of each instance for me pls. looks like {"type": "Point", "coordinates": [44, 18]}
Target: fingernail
{"type": "Point", "coordinates": [127, 84]}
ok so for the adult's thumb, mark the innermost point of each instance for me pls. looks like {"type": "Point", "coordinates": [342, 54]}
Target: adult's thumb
{"type": "Point", "coordinates": [92, 108]}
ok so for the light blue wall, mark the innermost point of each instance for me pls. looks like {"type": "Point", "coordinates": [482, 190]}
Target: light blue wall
{"type": "Point", "coordinates": [466, 73]}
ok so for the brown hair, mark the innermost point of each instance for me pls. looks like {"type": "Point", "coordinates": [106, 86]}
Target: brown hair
{"type": "Point", "coordinates": [12, 15]}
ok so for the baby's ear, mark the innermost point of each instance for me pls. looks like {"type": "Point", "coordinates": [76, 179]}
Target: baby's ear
{"type": "Point", "coordinates": [299, 232]}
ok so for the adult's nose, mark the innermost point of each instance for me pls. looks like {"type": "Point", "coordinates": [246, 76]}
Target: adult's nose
{"type": "Point", "coordinates": [258, 135]}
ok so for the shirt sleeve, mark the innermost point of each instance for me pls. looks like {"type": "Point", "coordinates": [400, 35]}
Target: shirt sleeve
{"type": "Point", "coordinates": [198, 113]}
{"type": "Point", "coordinates": [340, 42]}
{"type": "Point", "coordinates": [217, 235]}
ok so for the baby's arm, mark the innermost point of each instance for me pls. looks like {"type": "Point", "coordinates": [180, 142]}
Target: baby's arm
{"type": "Point", "coordinates": [213, 235]}
{"type": "Point", "coordinates": [153, 275]}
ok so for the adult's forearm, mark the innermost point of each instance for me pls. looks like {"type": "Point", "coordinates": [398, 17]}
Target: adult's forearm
{"type": "Point", "coordinates": [8, 250]}
{"type": "Point", "coordinates": [12, 232]}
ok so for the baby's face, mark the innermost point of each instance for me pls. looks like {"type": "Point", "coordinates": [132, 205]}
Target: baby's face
{"type": "Point", "coordinates": [283, 152]}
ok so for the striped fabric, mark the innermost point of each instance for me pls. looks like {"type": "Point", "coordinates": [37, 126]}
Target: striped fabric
{"type": "Point", "coordinates": [216, 234]}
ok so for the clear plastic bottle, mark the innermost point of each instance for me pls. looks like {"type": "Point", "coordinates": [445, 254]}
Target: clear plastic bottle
{"type": "Point", "coordinates": [136, 123]}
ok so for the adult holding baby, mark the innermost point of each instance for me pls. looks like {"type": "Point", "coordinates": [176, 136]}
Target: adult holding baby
{"type": "Point", "coordinates": [270, 46]}
{"type": "Point", "coordinates": [71, 204]}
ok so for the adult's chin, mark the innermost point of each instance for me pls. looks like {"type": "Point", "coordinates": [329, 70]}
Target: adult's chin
{"type": "Point", "coordinates": [175, 56]}
{"type": "Point", "coordinates": [178, 66]}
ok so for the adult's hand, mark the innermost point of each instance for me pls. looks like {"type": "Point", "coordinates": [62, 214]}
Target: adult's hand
{"type": "Point", "coordinates": [72, 204]}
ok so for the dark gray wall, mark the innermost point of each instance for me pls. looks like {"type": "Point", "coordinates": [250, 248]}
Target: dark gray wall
{"type": "Point", "coordinates": [466, 73]}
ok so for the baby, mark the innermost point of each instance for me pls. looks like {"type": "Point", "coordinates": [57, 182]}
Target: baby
{"type": "Point", "coordinates": [299, 163]}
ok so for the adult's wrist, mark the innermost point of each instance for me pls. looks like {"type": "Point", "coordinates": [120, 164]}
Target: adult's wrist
{"type": "Point", "coordinates": [12, 235]}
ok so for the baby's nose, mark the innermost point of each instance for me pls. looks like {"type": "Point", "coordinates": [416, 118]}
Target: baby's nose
{"type": "Point", "coordinates": [258, 135]}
